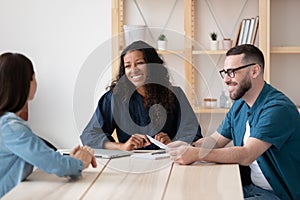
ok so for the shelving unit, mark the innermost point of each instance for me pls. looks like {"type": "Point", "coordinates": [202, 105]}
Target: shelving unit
{"type": "Point", "coordinates": [285, 47]}
{"type": "Point", "coordinates": [286, 50]}
{"type": "Point", "coordinates": [216, 52]}
{"type": "Point", "coordinates": [167, 52]}
{"type": "Point", "coordinates": [190, 51]}
{"type": "Point", "coordinates": [211, 110]}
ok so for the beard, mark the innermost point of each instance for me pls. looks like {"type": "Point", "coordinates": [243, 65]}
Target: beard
{"type": "Point", "coordinates": [242, 88]}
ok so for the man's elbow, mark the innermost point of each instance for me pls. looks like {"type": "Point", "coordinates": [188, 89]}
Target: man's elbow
{"type": "Point", "coordinates": [246, 160]}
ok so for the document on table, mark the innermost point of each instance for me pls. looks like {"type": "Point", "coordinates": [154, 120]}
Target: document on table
{"type": "Point", "coordinates": [157, 143]}
{"type": "Point", "coordinates": [151, 156]}
{"type": "Point", "coordinates": [156, 154]}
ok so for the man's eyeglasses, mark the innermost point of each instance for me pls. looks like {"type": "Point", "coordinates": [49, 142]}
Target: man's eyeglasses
{"type": "Point", "coordinates": [231, 72]}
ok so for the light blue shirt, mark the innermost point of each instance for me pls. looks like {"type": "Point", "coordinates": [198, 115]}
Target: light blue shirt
{"type": "Point", "coordinates": [21, 149]}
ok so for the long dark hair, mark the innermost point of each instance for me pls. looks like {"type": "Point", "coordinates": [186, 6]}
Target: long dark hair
{"type": "Point", "coordinates": [158, 85]}
{"type": "Point", "coordinates": [16, 72]}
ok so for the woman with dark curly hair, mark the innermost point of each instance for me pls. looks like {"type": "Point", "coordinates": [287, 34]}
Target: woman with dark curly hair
{"type": "Point", "coordinates": [141, 101]}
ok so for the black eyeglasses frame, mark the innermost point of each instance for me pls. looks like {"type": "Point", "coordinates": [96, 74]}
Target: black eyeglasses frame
{"type": "Point", "coordinates": [231, 71]}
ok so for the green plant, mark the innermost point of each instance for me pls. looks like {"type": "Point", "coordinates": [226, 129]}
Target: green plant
{"type": "Point", "coordinates": [213, 36]}
{"type": "Point", "coordinates": [162, 37]}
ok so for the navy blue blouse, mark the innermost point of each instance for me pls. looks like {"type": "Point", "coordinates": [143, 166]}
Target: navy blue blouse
{"type": "Point", "coordinates": [112, 113]}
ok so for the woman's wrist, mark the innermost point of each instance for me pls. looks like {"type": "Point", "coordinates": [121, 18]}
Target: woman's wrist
{"type": "Point", "coordinates": [113, 145]}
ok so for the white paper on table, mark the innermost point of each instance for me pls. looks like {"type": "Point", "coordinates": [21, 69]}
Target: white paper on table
{"type": "Point", "coordinates": [157, 143]}
{"type": "Point", "coordinates": [150, 156]}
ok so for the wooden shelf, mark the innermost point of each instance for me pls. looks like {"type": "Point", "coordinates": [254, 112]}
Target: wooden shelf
{"type": "Point", "coordinates": [165, 52]}
{"type": "Point", "coordinates": [169, 52]}
{"type": "Point", "coordinates": [215, 52]}
{"type": "Point", "coordinates": [203, 110]}
{"type": "Point", "coordinates": [286, 49]}
{"type": "Point", "coordinates": [211, 110]}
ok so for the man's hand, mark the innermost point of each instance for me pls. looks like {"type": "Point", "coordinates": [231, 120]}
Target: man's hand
{"type": "Point", "coordinates": [183, 153]}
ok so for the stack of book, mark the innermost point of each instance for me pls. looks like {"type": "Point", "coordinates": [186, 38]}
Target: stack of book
{"type": "Point", "coordinates": [247, 31]}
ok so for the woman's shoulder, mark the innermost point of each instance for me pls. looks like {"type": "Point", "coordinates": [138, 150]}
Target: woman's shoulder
{"type": "Point", "coordinates": [107, 95]}
{"type": "Point", "coordinates": [178, 92]}
{"type": "Point", "coordinates": [9, 116]}
{"type": "Point", "coordinates": [12, 122]}
{"type": "Point", "coordinates": [176, 89]}
{"type": "Point", "coordinates": [105, 99]}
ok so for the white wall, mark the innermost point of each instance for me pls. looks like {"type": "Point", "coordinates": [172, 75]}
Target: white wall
{"type": "Point", "coordinates": [58, 36]}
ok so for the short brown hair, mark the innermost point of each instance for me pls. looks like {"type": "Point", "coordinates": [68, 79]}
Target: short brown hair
{"type": "Point", "coordinates": [252, 54]}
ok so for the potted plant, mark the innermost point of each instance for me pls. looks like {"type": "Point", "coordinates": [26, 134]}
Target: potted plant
{"type": "Point", "coordinates": [213, 36]}
{"type": "Point", "coordinates": [227, 43]}
{"type": "Point", "coordinates": [214, 43]}
{"type": "Point", "coordinates": [162, 42]}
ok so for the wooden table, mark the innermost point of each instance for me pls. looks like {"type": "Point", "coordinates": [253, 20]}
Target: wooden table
{"type": "Point", "coordinates": [132, 178]}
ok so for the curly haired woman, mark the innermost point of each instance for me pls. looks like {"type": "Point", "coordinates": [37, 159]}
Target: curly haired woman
{"type": "Point", "coordinates": [141, 101]}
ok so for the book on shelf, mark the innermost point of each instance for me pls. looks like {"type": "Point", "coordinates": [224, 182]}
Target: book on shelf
{"type": "Point", "coordinates": [255, 30]}
{"type": "Point", "coordinates": [236, 39]}
{"type": "Point", "coordinates": [241, 32]}
{"type": "Point", "coordinates": [251, 30]}
{"type": "Point", "coordinates": [247, 31]}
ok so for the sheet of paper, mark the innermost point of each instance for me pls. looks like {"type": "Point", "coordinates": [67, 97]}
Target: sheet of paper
{"type": "Point", "coordinates": [150, 156]}
{"type": "Point", "coordinates": [156, 142]}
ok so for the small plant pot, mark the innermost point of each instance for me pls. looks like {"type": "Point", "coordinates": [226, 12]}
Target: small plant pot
{"type": "Point", "coordinates": [214, 45]}
{"type": "Point", "coordinates": [161, 44]}
{"type": "Point", "coordinates": [227, 44]}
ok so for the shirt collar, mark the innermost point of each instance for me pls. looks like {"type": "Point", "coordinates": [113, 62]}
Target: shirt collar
{"type": "Point", "coordinates": [261, 98]}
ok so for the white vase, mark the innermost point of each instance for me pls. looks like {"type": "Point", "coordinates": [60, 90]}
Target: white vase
{"type": "Point", "coordinates": [214, 45]}
{"type": "Point", "coordinates": [161, 44]}
{"type": "Point", "coordinates": [133, 33]}
{"type": "Point", "coordinates": [227, 44]}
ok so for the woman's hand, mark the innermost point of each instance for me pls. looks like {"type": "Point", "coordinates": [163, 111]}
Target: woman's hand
{"type": "Point", "coordinates": [85, 154]}
{"type": "Point", "coordinates": [136, 141]}
{"type": "Point", "coordinates": [163, 138]}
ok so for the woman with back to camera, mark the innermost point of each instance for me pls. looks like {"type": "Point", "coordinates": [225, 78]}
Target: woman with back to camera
{"type": "Point", "coordinates": [20, 148]}
{"type": "Point", "coordinates": [141, 101]}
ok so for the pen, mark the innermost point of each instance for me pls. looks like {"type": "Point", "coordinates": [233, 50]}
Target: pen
{"type": "Point", "coordinates": [158, 152]}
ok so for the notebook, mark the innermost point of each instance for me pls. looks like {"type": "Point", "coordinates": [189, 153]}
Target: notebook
{"type": "Point", "coordinates": [102, 153]}
{"type": "Point", "coordinates": [108, 153]}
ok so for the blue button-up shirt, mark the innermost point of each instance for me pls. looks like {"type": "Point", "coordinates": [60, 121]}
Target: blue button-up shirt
{"type": "Point", "coordinates": [273, 118]}
{"type": "Point", "coordinates": [21, 149]}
